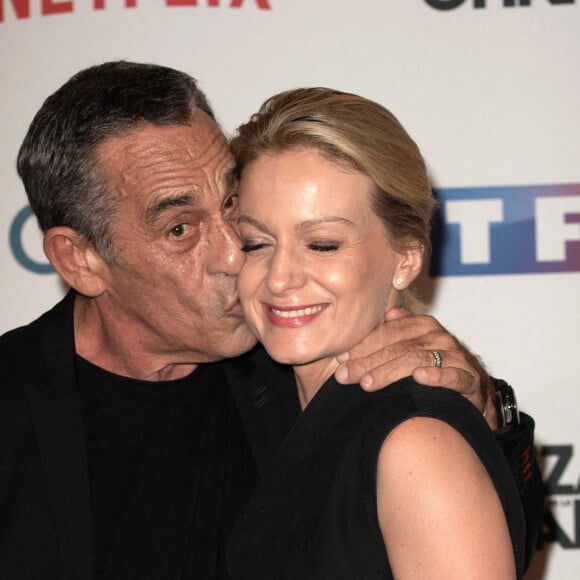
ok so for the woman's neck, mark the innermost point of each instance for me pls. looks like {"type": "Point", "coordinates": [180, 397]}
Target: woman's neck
{"type": "Point", "coordinates": [310, 377]}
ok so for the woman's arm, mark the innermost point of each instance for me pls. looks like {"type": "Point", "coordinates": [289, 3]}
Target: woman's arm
{"type": "Point", "coordinates": [439, 513]}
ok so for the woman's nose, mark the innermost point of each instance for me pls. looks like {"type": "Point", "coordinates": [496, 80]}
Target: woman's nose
{"type": "Point", "coordinates": [286, 272]}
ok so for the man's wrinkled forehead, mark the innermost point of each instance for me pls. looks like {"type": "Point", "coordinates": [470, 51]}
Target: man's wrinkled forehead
{"type": "Point", "coordinates": [172, 154]}
{"type": "Point", "coordinates": [198, 137]}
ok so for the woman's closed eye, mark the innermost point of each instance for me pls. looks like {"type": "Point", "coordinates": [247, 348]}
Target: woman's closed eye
{"type": "Point", "coordinates": [315, 247]}
{"type": "Point", "coordinates": [253, 246]}
{"type": "Point", "coordinates": [323, 246]}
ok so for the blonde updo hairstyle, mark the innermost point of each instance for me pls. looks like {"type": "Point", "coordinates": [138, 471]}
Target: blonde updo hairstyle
{"type": "Point", "coordinates": [358, 134]}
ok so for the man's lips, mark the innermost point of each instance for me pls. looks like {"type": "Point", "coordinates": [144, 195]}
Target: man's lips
{"type": "Point", "coordinates": [293, 316]}
{"type": "Point", "coordinates": [235, 308]}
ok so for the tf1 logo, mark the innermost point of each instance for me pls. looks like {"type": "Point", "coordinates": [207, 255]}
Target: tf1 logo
{"type": "Point", "coordinates": [507, 230]}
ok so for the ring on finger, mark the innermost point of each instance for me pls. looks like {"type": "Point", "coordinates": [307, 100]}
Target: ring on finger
{"type": "Point", "coordinates": [437, 360]}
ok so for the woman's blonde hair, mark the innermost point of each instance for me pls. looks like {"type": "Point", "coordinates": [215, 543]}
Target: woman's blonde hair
{"type": "Point", "coordinates": [356, 133]}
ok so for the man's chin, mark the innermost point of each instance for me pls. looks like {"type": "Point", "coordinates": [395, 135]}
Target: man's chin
{"type": "Point", "coordinates": [240, 341]}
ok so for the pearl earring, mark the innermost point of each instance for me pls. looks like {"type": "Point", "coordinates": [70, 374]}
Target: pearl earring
{"type": "Point", "coordinates": [399, 281]}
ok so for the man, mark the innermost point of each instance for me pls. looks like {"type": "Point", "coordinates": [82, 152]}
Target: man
{"type": "Point", "coordinates": [128, 448]}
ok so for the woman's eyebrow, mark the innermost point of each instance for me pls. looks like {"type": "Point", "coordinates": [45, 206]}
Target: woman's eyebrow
{"type": "Point", "coordinates": [305, 225]}
{"type": "Point", "coordinates": [325, 220]}
{"type": "Point", "coordinates": [246, 219]}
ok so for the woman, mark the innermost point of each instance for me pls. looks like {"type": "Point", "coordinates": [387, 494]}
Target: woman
{"type": "Point", "coordinates": [408, 482]}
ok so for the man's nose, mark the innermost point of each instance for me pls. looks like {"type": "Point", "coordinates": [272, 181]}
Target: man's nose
{"type": "Point", "coordinates": [226, 254]}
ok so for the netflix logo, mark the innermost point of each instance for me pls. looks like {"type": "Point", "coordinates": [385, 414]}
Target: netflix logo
{"type": "Point", "coordinates": [22, 9]}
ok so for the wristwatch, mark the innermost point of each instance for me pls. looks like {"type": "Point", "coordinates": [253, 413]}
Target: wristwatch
{"type": "Point", "coordinates": [506, 404]}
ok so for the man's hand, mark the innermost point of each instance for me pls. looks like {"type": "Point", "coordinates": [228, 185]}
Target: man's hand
{"type": "Point", "coordinates": [403, 345]}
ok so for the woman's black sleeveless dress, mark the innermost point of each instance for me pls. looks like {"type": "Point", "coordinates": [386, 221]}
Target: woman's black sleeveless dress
{"type": "Point", "coordinates": [314, 514]}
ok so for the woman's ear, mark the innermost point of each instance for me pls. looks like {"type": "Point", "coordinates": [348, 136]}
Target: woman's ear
{"type": "Point", "coordinates": [409, 266]}
{"type": "Point", "coordinates": [75, 260]}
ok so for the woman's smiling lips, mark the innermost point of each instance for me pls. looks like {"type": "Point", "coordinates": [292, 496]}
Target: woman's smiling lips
{"type": "Point", "coordinates": [292, 316]}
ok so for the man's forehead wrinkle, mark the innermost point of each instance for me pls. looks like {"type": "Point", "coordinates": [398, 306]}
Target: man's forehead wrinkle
{"type": "Point", "coordinates": [214, 162]}
{"type": "Point", "coordinates": [200, 147]}
{"type": "Point", "coordinates": [132, 159]}
{"type": "Point", "coordinates": [156, 163]}
{"type": "Point", "coordinates": [153, 142]}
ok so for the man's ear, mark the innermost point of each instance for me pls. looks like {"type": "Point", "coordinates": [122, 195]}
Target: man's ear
{"type": "Point", "coordinates": [409, 266]}
{"type": "Point", "coordinates": [75, 260]}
